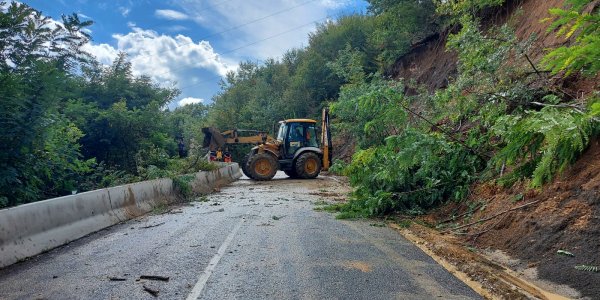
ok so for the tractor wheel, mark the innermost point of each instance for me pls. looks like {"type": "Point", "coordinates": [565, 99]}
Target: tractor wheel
{"type": "Point", "coordinates": [308, 165]}
{"type": "Point", "coordinates": [291, 173]}
{"type": "Point", "coordinates": [244, 166]}
{"type": "Point", "coordinates": [262, 166]}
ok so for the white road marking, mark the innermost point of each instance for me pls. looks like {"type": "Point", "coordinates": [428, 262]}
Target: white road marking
{"type": "Point", "coordinates": [210, 268]}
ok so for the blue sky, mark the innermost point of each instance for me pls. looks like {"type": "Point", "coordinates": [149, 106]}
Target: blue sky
{"type": "Point", "coordinates": [192, 43]}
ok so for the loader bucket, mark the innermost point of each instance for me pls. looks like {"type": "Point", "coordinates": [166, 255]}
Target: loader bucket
{"type": "Point", "coordinates": [213, 139]}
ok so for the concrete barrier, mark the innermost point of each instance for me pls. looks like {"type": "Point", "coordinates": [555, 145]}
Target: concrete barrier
{"type": "Point", "coordinates": [30, 229]}
{"type": "Point", "coordinates": [132, 200]}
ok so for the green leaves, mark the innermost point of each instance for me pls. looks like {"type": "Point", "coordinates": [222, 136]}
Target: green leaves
{"type": "Point", "coordinates": [459, 8]}
{"type": "Point", "coordinates": [26, 38]}
{"type": "Point", "coordinates": [399, 25]}
{"type": "Point", "coordinates": [582, 21]}
{"type": "Point", "coordinates": [544, 142]}
{"type": "Point", "coordinates": [413, 171]}
{"type": "Point", "coordinates": [370, 110]}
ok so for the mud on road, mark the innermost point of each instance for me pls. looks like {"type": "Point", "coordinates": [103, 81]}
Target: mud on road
{"type": "Point", "coordinates": [251, 240]}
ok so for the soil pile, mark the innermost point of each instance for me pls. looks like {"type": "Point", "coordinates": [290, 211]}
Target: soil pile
{"type": "Point", "coordinates": [567, 217]}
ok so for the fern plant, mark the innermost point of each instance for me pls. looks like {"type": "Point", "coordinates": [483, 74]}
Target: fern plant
{"type": "Point", "coordinates": [580, 19]}
{"type": "Point", "coordinates": [542, 143]}
{"type": "Point", "coordinates": [414, 171]}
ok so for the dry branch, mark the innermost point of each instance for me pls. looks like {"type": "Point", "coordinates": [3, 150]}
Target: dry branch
{"type": "Point", "coordinates": [154, 277]}
{"type": "Point", "coordinates": [151, 291]}
{"type": "Point", "coordinates": [150, 226]}
{"type": "Point", "coordinates": [494, 216]}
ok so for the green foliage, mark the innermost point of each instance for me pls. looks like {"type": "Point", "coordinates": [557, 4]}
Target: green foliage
{"type": "Point", "coordinates": [338, 167]}
{"type": "Point", "coordinates": [413, 171]}
{"type": "Point", "coordinates": [493, 68]}
{"type": "Point", "coordinates": [542, 143]}
{"type": "Point", "coordinates": [370, 111]}
{"type": "Point", "coordinates": [122, 116]}
{"type": "Point", "coordinates": [581, 18]}
{"type": "Point", "coordinates": [28, 38]}
{"type": "Point", "coordinates": [39, 150]}
{"type": "Point", "coordinates": [460, 8]}
{"type": "Point", "coordinates": [257, 96]}
{"type": "Point", "coordinates": [69, 124]}
{"type": "Point", "coordinates": [101, 176]}
{"type": "Point", "coordinates": [399, 25]}
{"type": "Point", "coordinates": [182, 185]}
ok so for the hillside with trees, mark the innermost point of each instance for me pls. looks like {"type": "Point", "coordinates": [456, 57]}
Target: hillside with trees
{"type": "Point", "coordinates": [440, 109]}
{"type": "Point", "coordinates": [69, 124]}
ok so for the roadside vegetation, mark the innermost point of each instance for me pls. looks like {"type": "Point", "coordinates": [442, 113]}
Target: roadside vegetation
{"type": "Point", "coordinates": [70, 124]}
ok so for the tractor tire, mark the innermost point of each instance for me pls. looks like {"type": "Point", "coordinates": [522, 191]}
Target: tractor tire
{"type": "Point", "coordinates": [291, 173]}
{"type": "Point", "coordinates": [244, 166]}
{"type": "Point", "coordinates": [262, 166]}
{"type": "Point", "coordinates": [308, 165]}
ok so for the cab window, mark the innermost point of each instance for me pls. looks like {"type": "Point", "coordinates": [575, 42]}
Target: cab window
{"type": "Point", "coordinates": [295, 137]}
{"type": "Point", "coordinates": [311, 136]}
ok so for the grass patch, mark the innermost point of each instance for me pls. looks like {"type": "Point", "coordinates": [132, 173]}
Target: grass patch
{"type": "Point", "coordinates": [160, 208]}
{"type": "Point", "coordinates": [404, 223]}
{"type": "Point", "coordinates": [201, 199]}
{"type": "Point", "coordinates": [321, 202]}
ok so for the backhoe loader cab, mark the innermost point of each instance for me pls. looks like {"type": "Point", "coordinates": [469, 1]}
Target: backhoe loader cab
{"type": "Point", "coordinates": [299, 150]}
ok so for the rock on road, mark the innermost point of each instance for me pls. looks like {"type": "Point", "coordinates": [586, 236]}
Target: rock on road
{"type": "Point", "coordinates": [251, 240]}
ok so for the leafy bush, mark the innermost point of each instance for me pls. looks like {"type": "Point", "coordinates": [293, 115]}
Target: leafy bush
{"type": "Point", "coordinates": [399, 25]}
{"type": "Point", "coordinates": [338, 167]}
{"type": "Point", "coordinates": [542, 143]}
{"type": "Point", "coordinates": [413, 171]}
{"type": "Point", "coordinates": [370, 111]}
{"type": "Point", "coordinates": [181, 185]}
{"type": "Point", "coordinates": [459, 8]}
{"type": "Point", "coordinates": [581, 19]}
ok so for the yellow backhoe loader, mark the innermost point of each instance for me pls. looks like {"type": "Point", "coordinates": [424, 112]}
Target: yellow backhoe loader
{"type": "Point", "coordinates": [297, 150]}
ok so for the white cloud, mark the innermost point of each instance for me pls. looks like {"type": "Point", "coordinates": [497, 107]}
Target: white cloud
{"type": "Point", "coordinates": [190, 100]}
{"type": "Point", "coordinates": [105, 53]}
{"type": "Point", "coordinates": [164, 57]}
{"type": "Point", "coordinates": [272, 26]}
{"type": "Point", "coordinates": [124, 11]}
{"type": "Point", "coordinates": [169, 60]}
{"type": "Point", "coordinates": [335, 3]}
{"type": "Point", "coordinates": [170, 14]}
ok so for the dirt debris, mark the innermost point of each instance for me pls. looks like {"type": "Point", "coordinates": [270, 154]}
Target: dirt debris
{"type": "Point", "coordinates": [152, 291]}
{"type": "Point", "coordinates": [488, 278]}
{"type": "Point", "coordinates": [566, 217]}
{"type": "Point", "coordinates": [155, 277]}
{"type": "Point", "coordinates": [153, 225]}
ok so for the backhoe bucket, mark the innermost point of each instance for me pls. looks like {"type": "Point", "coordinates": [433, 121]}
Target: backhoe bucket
{"type": "Point", "coordinates": [213, 139]}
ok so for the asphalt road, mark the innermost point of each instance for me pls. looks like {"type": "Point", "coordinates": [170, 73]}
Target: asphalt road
{"type": "Point", "coordinates": [251, 240]}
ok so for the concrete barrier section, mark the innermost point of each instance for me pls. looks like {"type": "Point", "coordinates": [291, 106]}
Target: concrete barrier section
{"type": "Point", "coordinates": [30, 229]}
{"type": "Point", "coordinates": [132, 200]}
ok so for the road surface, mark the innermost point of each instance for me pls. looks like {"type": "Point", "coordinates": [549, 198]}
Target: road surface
{"type": "Point", "coordinates": [251, 240]}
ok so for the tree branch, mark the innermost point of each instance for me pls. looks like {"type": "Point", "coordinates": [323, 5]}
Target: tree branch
{"type": "Point", "coordinates": [494, 216]}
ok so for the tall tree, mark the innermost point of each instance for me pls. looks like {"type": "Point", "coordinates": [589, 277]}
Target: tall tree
{"type": "Point", "coordinates": [36, 55]}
